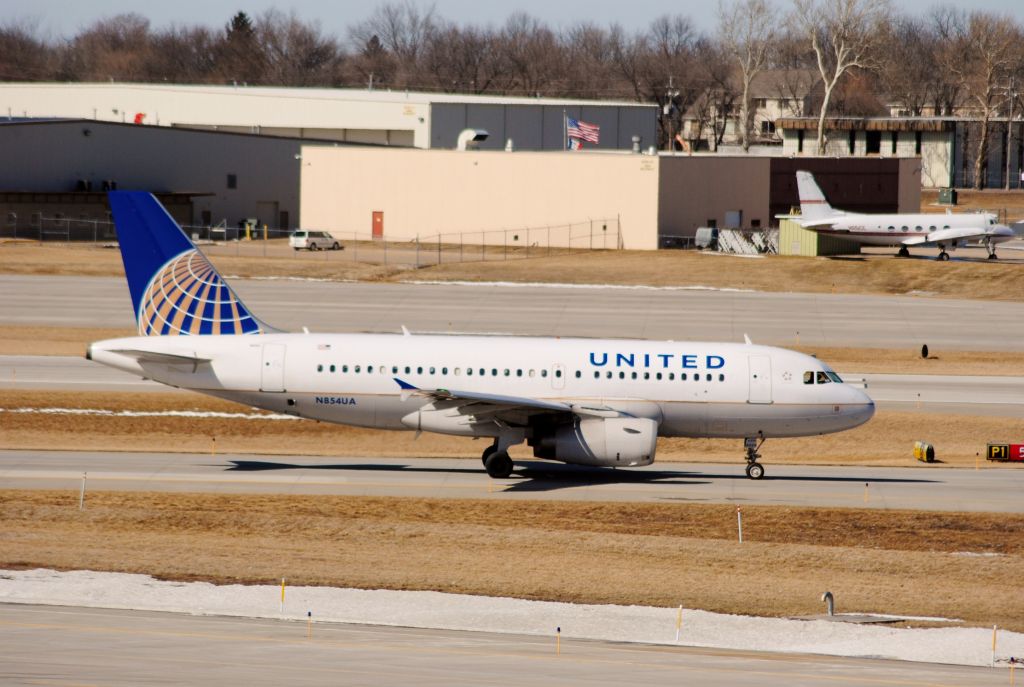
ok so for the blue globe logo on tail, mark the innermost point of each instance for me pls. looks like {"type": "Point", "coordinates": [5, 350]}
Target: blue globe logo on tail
{"type": "Point", "coordinates": [188, 297]}
{"type": "Point", "coordinates": [175, 290]}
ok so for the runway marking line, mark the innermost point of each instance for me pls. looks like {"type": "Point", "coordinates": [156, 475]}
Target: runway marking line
{"type": "Point", "coordinates": [477, 651]}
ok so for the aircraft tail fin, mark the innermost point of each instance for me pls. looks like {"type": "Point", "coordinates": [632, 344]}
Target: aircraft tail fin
{"type": "Point", "coordinates": [813, 204]}
{"type": "Point", "coordinates": [175, 290]}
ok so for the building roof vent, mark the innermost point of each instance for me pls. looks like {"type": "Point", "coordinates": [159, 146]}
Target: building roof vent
{"type": "Point", "coordinates": [469, 138]}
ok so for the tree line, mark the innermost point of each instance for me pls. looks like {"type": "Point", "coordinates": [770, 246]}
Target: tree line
{"type": "Point", "coordinates": [862, 58]}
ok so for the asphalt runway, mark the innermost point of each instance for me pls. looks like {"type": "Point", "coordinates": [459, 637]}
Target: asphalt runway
{"type": "Point", "coordinates": [78, 646]}
{"type": "Point", "coordinates": [922, 487]}
{"type": "Point", "coordinates": [644, 313]}
{"type": "Point", "coordinates": [971, 395]}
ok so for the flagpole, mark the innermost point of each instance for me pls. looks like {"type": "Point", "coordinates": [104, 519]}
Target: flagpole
{"type": "Point", "coordinates": [565, 131]}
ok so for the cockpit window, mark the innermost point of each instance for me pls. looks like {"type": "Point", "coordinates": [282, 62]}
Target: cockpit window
{"type": "Point", "coordinates": [834, 377]}
{"type": "Point", "coordinates": [808, 377]}
{"type": "Point", "coordinates": [823, 378]}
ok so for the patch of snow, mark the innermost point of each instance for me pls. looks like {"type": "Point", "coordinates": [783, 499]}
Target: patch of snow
{"type": "Point", "coordinates": [641, 624]}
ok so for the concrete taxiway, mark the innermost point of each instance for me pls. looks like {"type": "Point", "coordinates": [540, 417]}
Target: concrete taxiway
{"type": "Point", "coordinates": [66, 645]}
{"type": "Point", "coordinates": [924, 487]}
{"type": "Point", "coordinates": [671, 314]}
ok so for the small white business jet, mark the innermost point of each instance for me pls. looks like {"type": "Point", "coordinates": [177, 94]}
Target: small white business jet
{"type": "Point", "coordinates": [903, 230]}
{"type": "Point", "coordinates": [601, 402]}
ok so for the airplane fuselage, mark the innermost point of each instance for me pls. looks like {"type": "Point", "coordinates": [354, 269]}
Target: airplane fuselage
{"type": "Point", "coordinates": [690, 389]}
{"type": "Point", "coordinates": [895, 229]}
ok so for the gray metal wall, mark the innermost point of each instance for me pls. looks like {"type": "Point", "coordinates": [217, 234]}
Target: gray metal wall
{"type": "Point", "coordinates": [541, 127]}
{"type": "Point", "coordinates": [53, 156]}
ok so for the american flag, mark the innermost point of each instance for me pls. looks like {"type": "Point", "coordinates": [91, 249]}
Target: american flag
{"type": "Point", "coordinates": [581, 130]}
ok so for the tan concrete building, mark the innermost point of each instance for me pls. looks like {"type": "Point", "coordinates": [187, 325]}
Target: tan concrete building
{"type": "Point", "coordinates": [422, 194]}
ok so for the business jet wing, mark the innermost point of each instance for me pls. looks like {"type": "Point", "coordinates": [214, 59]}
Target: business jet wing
{"type": "Point", "coordinates": [482, 404]}
{"type": "Point", "coordinates": [957, 234]}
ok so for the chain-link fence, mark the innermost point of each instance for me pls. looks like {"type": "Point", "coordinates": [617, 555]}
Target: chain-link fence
{"type": "Point", "coordinates": [498, 244]}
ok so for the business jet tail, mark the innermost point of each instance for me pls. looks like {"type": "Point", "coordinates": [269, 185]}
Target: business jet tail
{"type": "Point", "coordinates": [175, 290]}
{"type": "Point", "coordinates": [813, 205]}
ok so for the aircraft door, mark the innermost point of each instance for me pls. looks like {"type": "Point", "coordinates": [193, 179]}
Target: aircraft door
{"type": "Point", "coordinates": [760, 367]}
{"type": "Point", "coordinates": [557, 377]}
{"type": "Point", "coordinates": [272, 368]}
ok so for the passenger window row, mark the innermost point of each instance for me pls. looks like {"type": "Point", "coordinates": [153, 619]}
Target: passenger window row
{"type": "Point", "coordinates": [505, 372]}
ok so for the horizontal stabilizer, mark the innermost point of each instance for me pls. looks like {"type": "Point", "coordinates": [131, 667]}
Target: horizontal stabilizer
{"type": "Point", "coordinates": [161, 358]}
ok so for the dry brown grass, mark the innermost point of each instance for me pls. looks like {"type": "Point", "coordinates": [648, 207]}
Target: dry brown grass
{"type": "Point", "coordinates": [885, 441]}
{"type": "Point", "coordinates": [21, 340]}
{"type": "Point", "coordinates": [873, 274]}
{"type": "Point", "coordinates": [968, 200]}
{"type": "Point", "coordinates": [662, 555]}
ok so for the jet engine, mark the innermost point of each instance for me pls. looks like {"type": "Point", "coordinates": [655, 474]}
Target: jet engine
{"type": "Point", "coordinates": [614, 441]}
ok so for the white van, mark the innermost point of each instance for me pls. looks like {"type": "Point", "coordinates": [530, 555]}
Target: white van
{"type": "Point", "coordinates": [313, 240]}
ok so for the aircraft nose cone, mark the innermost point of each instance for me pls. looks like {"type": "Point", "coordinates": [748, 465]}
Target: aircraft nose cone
{"type": "Point", "coordinates": [862, 409]}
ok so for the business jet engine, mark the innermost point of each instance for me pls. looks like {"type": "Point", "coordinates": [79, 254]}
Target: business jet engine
{"type": "Point", "coordinates": [613, 441]}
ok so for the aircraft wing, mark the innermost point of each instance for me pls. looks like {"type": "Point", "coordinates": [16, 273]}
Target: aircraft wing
{"type": "Point", "coordinates": [483, 404]}
{"type": "Point", "coordinates": [947, 235]}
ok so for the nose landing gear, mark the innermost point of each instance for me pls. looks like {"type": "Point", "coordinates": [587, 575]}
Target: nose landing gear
{"type": "Point", "coordinates": [754, 469]}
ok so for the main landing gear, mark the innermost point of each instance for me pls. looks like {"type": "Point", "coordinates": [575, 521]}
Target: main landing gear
{"type": "Point", "coordinates": [497, 463]}
{"type": "Point", "coordinates": [991, 248]}
{"type": "Point", "coordinates": [904, 252]}
{"type": "Point", "coordinates": [754, 469]}
{"type": "Point", "coordinates": [943, 255]}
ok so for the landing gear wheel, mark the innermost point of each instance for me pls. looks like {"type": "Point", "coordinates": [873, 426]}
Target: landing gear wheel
{"type": "Point", "coordinates": [487, 453]}
{"type": "Point", "coordinates": [498, 465]}
{"type": "Point", "coordinates": [943, 256]}
{"type": "Point", "coordinates": [755, 470]}
{"type": "Point", "coordinates": [993, 256]}
{"type": "Point", "coordinates": [904, 252]}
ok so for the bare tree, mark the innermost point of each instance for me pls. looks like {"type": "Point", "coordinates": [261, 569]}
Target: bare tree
{"type": "Point", "coordinates": [24, 55]}
{"type": "Point", "coordinates": [110, 49]}
{"type": "Point", "coordinates": [990, 54]}
{"type": "Point", "coordinates": [463, 59]}
{"type": "Point", "coordinates": [746, 30]}
{"type": "Point", "coordinates": [844, 35]}
{"type": "Point", "coordinates": [182, 54]}
{"type": "Point", "coordinates": [590, 64]}
{"type": "Point", "coordinates": [403, 30]}
{"type": "Point", "coordinates": [296, 53]}
{"type": "Point", "coordinates": [533, 55]}
{"type": "Point", "coordinates": [909, 72]}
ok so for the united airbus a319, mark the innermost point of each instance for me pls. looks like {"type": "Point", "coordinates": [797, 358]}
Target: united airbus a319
{"type": "Point", "coordinates": [597, 402]}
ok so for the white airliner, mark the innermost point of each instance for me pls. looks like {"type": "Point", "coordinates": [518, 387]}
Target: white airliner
{"type": "Point", "coordinates": [903, 230]}
{"type": "Point", "coordinates": [601, 402]}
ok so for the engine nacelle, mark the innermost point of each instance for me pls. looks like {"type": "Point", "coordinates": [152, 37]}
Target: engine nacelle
{"type": "Point", "coordinates": [614, 441]}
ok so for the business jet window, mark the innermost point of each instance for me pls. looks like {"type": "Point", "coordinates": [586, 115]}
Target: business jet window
{"type": "Point", "coordinates": [808, 377]}
{"type": "Point", "coordinates": [892, 228]}
{"type": "Point", "coordinates": [823, 378]}
{"type": "Point", "coordinates": [905, 228]}
{"type": "Point", "coordinates": [932, 228]}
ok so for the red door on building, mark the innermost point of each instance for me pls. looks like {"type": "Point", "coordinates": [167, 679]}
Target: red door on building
{"type": "Point", "coordinates": [378, 224]}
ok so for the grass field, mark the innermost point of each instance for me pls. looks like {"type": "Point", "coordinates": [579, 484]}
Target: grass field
{"type": "Point", "coordinates": [951, 565]}
{"type": "Point", "coordinates": [872, 274]}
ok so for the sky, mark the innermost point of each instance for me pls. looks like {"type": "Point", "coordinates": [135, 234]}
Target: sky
{"type": "Point", "coordinates": [57, 18]}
